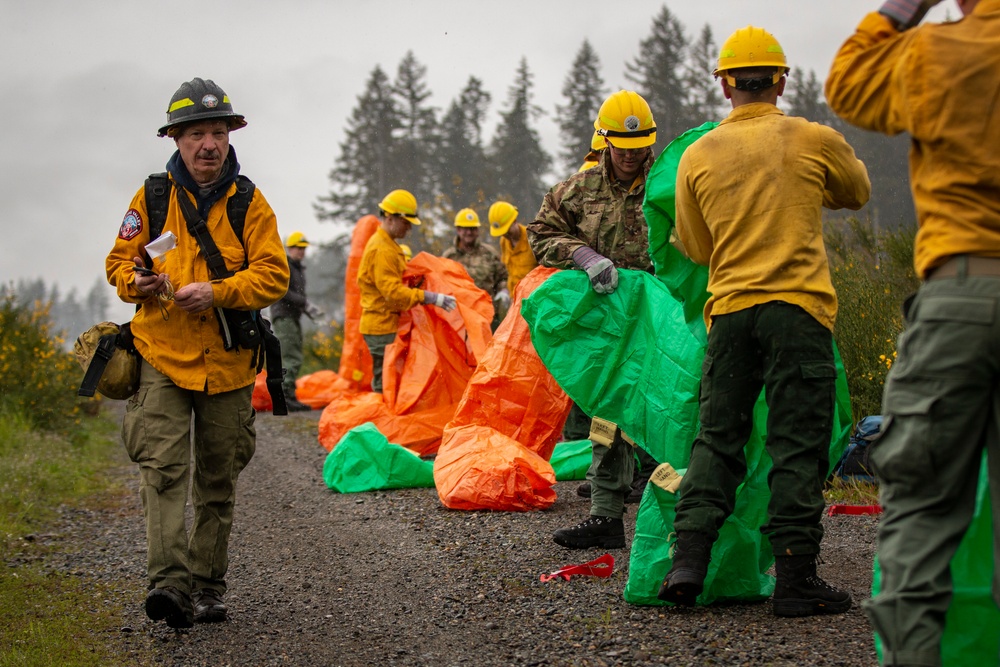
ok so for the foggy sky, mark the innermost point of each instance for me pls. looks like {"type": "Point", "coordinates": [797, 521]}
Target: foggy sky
{"type": "Point", "coordinates": [86, 85]}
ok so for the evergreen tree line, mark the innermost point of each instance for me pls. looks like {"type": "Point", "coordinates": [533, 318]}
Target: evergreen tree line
{"type": "Point", "coordinates": [69, 314]}
{"type": "Point", "coordinates": [396, 139]}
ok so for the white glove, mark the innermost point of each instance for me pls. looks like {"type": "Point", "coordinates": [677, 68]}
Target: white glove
{"type": "Point", "coordinates": [445, 301]}
{"type": "Point", "coordinates": [602, 273]}
{"type": "Point", "coordinates": [314, 312]}
{"type": "Point", "coordinates": [503, 297]}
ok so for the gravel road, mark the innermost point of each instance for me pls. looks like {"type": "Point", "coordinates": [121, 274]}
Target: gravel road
{"type": "Point", "coordinates": [394, 578]}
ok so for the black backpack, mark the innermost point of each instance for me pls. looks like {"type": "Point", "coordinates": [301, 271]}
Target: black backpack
{"type": "Point", "coordinates": [158, 188]}
{"type": "Point", "coordinates": [855, 463]}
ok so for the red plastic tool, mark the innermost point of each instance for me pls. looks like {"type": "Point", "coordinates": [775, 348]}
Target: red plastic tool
{"type": "Point", "coordinates": [854, 509]}
{"type": "Point", "coordinates": [599, 567]}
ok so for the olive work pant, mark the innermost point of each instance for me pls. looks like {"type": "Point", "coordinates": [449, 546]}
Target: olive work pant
{"type": "Point", "coordinates": [781, 348]}
{"type": "Point", "coordinates": [611, 472]}
{"type": "Point", "coordinates": [289, 333]}
{"type": "Point", "coordinates": [941, 411]}
{"type": "Point", "coordinates": [157, 434]}
{"type": "Point", "coordinates": [376, 346]}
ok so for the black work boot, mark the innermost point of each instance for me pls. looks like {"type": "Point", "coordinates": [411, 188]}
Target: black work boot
{"type": "Point", "coordinates": [208, 606]}
{"type": "Point", "coordinates": [170, 604]}
{"type": "Point", "coordinates": [597, 531]}
{"type": "Point", "coordinates": [584, 490]}
{"type": "Point", "coordinates": [798, 590]}
{"type": "Point", "coordinates": [686, 578]}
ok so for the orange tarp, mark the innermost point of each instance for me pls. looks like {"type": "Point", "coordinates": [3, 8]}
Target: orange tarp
{"type": "Point", "coordinates": [426, 368]}
{"type": "Point", "coordinates": [355, 361]}
{"type": "Point", "coordinates": [494, 453]}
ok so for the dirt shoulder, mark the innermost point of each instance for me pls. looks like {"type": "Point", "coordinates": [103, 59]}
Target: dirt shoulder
{"type": "Point", "coordinates": [394, 578]}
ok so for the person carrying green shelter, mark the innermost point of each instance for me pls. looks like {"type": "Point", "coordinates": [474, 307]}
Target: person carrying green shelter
{"type": "Point", "coordinates": [593, 221]}
{"type": "Point", "coordinates": [749, 200]}
{"type": "Point", "coordinates": [941, 404]}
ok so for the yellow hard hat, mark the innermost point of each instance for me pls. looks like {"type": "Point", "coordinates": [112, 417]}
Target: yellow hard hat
{"type": "Point", "coordinates": [502, 215]}
{"type": "Point", "coordinates": [407, 253]}
{"type": "Point", "coordinates": [751, 47]}
{"type": "Point", "coordinates": [296, 240]}
{"type": "Point", "coordinates": [466, 218]}
{"type": "Point", "coordinates": [597, 142]}
{"type": "Point", "coordinates": [402, 203]}
{"type": "Point", "coordinates": [626, 121]}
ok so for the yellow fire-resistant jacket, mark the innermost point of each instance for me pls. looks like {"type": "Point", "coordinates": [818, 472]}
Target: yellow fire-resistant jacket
{"type": "Point", "coordinates": [749, 200]}
{"type": "Point", "coordinates": [935, 82]}
{"type": "Point", "coordinates": [518, 259]}
{"type": "Point", "coordinates": [188, 347]}
{"type": "Point", "coordinates": [383, 294]}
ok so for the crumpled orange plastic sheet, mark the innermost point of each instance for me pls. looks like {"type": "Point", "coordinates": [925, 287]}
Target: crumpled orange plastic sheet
{"type": "Point", "coordinates": [494, 452]}
{"type": "Point", "coordinates": [318, 389]}
{"type": "Point", "coordinates": [426, 367]}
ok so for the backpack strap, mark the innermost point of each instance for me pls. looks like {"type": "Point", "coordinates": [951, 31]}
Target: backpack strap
{"type": "Point", "coordinates": [158, 188]}
{"type": "Point", "coordinates": [157, 202]}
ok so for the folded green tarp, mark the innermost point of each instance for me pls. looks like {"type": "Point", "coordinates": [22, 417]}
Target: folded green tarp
{"type": "Point", "coordinates": [571, 459]}
{"type": "Point", "coordinates": [364, 460]}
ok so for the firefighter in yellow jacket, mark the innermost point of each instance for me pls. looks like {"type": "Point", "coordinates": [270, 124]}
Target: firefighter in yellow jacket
{"type": "Point", "coordinates": [186, 369]}
{"type": "Point", "coordinates": [515, 251]}
{"type": "Point", "coordinates": [380, 279]}
{"type": "Point", "coordinates": [940, 407]}
{"type": "Point", "coordinates": [750, 195]}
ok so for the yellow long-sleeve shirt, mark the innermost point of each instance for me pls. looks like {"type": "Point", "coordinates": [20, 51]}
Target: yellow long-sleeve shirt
{"type": "Point", "coordinates": [188, 347]}
{"type": "Point", "coordinates": [936, 83]}
{"type": "Point", "coordinates": [518, 259]}
{"type": "Point", "coordinates": [749, 200]}
{"type": "Point", "coordinates": [380, 279]}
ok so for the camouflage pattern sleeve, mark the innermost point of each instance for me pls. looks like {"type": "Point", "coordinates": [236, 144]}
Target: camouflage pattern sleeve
{"type": "Point", "coordinates": [553, 235]}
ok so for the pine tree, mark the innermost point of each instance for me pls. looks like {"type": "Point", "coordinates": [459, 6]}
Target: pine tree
{"type": "Point", "coordinates": [703, 95]}
{"type": "Point", "coordinates": [97, 301]}
{"type": "Point", "coordinates": [417, 142]}
{"type": "Point", "coordinates": [367, 168]}
{"type": "Point", "coordinates": [584, 92]}
{"type": "Point", "coordinates": [804, 97]}
{"type": "Point", "coordinates": [464, 172]}
{"type": "Point", "coordinates": [658, 73]}
{"type": "Point", "coordinates": [516, 150]}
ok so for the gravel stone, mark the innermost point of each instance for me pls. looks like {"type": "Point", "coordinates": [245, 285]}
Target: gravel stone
{"type": "Point", "coordinates": [395, 578]}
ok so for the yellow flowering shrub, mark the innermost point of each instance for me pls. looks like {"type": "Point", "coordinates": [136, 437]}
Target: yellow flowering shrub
{"type": "Point", "coordinates": [38, 379]}
{"type": "Point", "coordinates": [873, 274]}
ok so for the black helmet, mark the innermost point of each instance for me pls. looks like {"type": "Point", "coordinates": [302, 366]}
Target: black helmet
{"type": "Point", "coordinates": [200, 99]}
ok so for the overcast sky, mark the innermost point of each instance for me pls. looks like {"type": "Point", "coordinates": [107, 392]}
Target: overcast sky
{"type": "Point", "coordinates": [87, 83]}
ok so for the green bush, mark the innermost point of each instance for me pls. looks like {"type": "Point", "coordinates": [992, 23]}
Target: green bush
{"type": "Point", "coordinates": [321, 348]}
{"type": "Point", "coordinates": [873, 274]}
{"type": "Point", "coordinates": [38, 379]}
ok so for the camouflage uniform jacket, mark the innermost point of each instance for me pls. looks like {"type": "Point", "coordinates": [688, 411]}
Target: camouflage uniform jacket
{"type": "Point", "coordinates": [590, 208]}
{"type": "Point", "coordinates": [483, 264]}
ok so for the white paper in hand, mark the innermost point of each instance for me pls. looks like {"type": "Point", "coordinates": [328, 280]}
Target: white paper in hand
{"type": "Point", "coordinates": [166, 241]}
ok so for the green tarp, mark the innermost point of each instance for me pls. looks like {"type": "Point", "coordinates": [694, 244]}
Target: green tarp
{"type": "Point", "coordinates": [364, 460]}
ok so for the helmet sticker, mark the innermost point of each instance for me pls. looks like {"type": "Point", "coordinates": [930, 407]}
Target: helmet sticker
{"type": "Point", "coordinates": [210, 101]}
{"type": "Point", "coordinates": [131, 225]}
{"type": "Point", "coordinates": [631, 123]}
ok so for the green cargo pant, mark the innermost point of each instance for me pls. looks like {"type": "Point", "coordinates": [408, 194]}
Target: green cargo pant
{"type": "Point", "coordinates": [376, 346]}
{"type": "Point", "coordinates": [289, 332]}
{"type": "Point", "coordinates": [779, 347]}
{"type": "Point", "coordinates": [941, 410]}
{"type": "Point", "coordinates": [157, 434]}
{"type": "Point", "coordinates": [611, 472]}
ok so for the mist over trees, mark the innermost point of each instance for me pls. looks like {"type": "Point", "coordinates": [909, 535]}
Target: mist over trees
{"type": "Point", "coordinates": [395, 137]}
